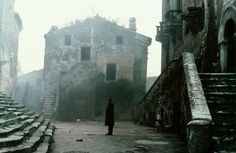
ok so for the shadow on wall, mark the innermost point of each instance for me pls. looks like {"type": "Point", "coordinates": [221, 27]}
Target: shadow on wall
{"type": "Point", "coordinates": [83, 102]}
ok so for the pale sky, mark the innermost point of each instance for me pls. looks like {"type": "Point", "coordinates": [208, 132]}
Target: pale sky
{"type": "Point", "coordinates": [39, 15]}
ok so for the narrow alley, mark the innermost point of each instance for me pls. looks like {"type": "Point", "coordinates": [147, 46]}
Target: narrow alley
{"type": "Point", "coordinates": [89, 137]}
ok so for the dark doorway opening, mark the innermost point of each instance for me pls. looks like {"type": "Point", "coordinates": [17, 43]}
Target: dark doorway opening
{"type": "Point", "coordinates": [111, 72]}
{"type": "Point", "coordinates": [231, 45]}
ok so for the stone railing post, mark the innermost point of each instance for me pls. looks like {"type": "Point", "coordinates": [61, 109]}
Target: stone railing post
{"type": "Point", "coordinates": [199, 136]}
{"type": "Point", "coordinates": [199, 128]}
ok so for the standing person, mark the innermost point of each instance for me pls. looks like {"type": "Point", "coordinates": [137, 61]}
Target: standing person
{"type": "Point", "coordinates": [109, 120]}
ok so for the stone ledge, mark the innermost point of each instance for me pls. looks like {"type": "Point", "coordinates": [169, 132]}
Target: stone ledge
{"type": "Point", "coordinates": [198, 104]}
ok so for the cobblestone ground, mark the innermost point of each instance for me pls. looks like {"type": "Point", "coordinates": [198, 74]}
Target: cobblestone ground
{"type": "Point", "coordinates": [89, 137]}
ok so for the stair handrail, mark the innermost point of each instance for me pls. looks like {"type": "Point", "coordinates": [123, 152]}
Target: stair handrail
{"type": "Point", "coordinates": [155, 86]}
{"type": "Point", "coordinates": [199, 127]}
{"type": "Point", "coordinates": [178, 90]}
{"type": "Point", "coordinates": [197, 99]}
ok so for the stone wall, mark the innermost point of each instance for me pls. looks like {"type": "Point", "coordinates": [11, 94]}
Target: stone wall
{"type": "Point", "coordinates": [106, 42]}
{"type": "Point", "coordinates": [199, 24]}
{"type": "Point", "coordinates": [10, 26]}
{"type": "Point", "coordinates": [176, 103]}
{"type": "Point", "coordinates": [92, 32]}
{"type": "Point", "coordinates": [77, 93]}
{"type": "Point", "coordinates": [28, 90]}
{"type": "Point", "coordinates": [124, 61]}
{"type": "Point", "coordinates": [161, 105]}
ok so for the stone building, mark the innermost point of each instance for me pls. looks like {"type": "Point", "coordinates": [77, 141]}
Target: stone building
{"type": "Point", "coordinates": [79, 52]}
{"type": "Point", "coordinates": [195, 94]}
{"type": "Point", "coordinates": [21, 130]}
{"type": "Point", "coordinates": [10, 26]}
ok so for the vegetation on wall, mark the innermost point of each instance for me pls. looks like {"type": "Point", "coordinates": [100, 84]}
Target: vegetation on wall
{"type": "Point", "coordinates": [77, 102]}
{"type": "Point", "coordinates": [125, 95]}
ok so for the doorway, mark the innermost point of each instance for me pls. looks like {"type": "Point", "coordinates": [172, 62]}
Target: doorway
{"type": "Point", "coordinates": [230, 36]}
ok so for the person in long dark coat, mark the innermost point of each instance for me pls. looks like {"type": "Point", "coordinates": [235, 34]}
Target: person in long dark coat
{"type": "Point", "coordinates": [109, 120]}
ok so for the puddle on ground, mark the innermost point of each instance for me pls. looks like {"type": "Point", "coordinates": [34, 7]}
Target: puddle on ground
{"type": "Point", "coordinates": [148, 142]}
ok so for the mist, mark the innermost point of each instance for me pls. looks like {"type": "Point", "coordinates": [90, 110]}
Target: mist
{"type": "Point", "coordinates": [39, 15]}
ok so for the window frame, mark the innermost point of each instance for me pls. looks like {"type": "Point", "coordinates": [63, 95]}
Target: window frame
{"type": "Point", "coordinates": [111, 76]}
{"type": "Point", "coordinates": [67, 40]}
{"type": "Point", "coordinates": [85, 55]}
{"type": "Point", "coordinates": [119, 40]}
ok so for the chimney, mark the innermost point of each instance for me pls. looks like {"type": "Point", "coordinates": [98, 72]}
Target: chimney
{"type": "Point", "coordinates": [132, 24]}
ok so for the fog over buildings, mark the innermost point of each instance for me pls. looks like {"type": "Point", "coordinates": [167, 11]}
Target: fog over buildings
{"type": "Point", "coordinates": [39, 15]}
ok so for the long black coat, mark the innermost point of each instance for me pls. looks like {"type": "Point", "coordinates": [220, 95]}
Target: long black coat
{"type": "Point", "coordinates": [109, 120]}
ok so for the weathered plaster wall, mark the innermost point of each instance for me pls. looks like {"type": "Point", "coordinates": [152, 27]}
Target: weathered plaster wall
{"type": "Point", "coordinates": [124, 63]}
{"type": "Point", "coordinates": [28, 90]}
{"type": "Point", "coordinates": [89, 33]}
{"type": "Point", "coordinates": [10, 26]}
{"type": "Point", "coordinates": [130, 55]}
{"type": "Point", "coordinates": [77, 93]}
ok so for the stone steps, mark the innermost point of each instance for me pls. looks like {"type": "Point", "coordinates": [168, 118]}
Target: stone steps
{"type": "Point", "coordinates": [47, 140]}
{"type": "Point", "coordinates": [49, 103]}
{"type": "Point", "coordinates": [15, 137]}
{"type": "Point", "coordinates": [220, 93]}
{"type": "Point", "coordinates": [21, 130]}
{"type": "Point", "coordinates": [219, 88]}
{"type": "Point", "coordinates": [31, 143]}
{"type": "Point", "coordinates": [10, 140]}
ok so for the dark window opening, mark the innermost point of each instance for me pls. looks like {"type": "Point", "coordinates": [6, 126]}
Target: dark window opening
{"type": "Point", "coordinates": [85, 53]}
{"type": "Point", "coordinates": [119, 40]}
{"type": "Point", "coordinates": [67, 40]}
{"type": "Point", "coordinates": [137, 71]}
{"type": "Point", "coordinates": [111, 72]}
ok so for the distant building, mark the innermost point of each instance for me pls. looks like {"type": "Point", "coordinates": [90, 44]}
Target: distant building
{"type": "Point", "coordinates": [28, 90]}
{"type": "Point", "coordinates": [10, 26]}
{"type": "Point", "coordinates": [93, 46]}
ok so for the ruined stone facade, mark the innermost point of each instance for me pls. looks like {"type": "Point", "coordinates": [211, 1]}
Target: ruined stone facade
{"type": "Point", "coordinates": [194, 96]}
{"type": "Point", "coordinates": [110, 49]}
{"type": "Point", "coordinates": [10, 26]}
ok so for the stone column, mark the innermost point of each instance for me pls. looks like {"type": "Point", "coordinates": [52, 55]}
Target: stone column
{"type": "Point", "coordinates": [223, 55]}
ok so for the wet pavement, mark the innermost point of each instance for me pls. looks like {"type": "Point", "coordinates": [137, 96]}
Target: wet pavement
{"type": "Point", "coordinates": [89, 137]}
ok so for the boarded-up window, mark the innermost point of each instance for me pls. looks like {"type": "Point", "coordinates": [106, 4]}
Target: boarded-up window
{"type": "Point", "coordinates": [119, 40]}
{"type": "Point", "coordinates": [85, 53]}
{"type": "Point", "coordinates": [111, 72]}
{"type": "Point", "coordinates": [67, 40]}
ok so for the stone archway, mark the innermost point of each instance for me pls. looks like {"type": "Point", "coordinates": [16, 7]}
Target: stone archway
{"type": "Point", "coordinates": [227, 40]}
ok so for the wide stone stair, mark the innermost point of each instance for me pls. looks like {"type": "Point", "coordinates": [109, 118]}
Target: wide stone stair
{"type": "Point", "coordinates": [220, 93]}
{"type": "Point", "coordinates": [21, 130]}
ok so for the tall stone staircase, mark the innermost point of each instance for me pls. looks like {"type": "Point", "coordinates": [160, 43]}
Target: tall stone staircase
{"type": "Point", "coordinates": [220, 93]}
{"type": "Point", "coordinates": [22, 131]}
{"type": "Point", "coordinates": [49, 102]}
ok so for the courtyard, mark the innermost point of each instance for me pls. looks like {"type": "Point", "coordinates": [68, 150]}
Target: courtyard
{"type": "Point", "coordinates": [89, 137]}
